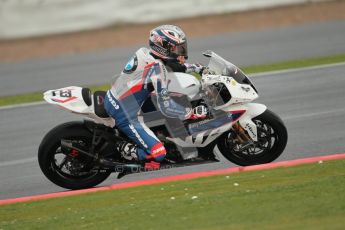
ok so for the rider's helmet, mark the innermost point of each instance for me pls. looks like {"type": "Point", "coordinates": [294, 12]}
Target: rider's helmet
{"type": "Point", "coordinates": [168, 42]}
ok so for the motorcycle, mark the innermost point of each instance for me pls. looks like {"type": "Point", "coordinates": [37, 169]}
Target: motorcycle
{"type": "Point", "coordinates": [82, 154]}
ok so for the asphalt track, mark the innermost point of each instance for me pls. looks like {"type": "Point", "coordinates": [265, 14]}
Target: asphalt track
{"type": "Point", "coordinates": [244, 48]}
{"type": "Point", "coordinates": [311, 102]}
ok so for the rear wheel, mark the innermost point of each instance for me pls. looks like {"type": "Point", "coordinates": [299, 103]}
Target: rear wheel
{"type": "Point", "coordinates": [69, 168]}
{"type": "Point", "coordinates": [272, 140]}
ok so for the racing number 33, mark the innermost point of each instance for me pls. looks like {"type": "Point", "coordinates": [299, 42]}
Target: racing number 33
{"type": "Point", "coordinates": [65, 93]}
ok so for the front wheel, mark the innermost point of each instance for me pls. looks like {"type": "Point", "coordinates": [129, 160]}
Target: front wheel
{"type": "Point", "coordinates": [272, 140]}
{"type": "Point", "coordinates": [69, 168]}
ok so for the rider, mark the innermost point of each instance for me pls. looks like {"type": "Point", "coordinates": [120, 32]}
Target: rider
{"type": "Point", "coordinates": [144, 73]}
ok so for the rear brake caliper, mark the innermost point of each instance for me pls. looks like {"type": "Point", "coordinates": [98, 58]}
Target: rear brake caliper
{"type": "Point", "coordinates": [74, 153]}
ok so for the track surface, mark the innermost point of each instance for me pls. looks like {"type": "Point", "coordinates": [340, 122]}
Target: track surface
{"type": "Point", "coordinates": [245, 48]}
{"type": "Point", "coordinates": [312, 104]}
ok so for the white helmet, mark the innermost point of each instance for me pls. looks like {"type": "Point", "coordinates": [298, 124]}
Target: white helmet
{"type": "Point", "coordinates": [168, 42]}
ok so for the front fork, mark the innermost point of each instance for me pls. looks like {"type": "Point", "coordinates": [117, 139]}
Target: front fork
{"type": "Point", "coordinates": [245, 128]}
{"type": "Point", "coordinates": [242, 137]}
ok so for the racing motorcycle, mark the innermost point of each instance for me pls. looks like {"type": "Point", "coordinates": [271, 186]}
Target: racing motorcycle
{"type": "Point", "coordinates": [82, 154]}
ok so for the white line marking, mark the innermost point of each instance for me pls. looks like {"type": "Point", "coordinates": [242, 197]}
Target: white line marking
{"type": "Point", "coordinates": [22, 105]}
{"type": "Point", "coordinates": [251, 75]}
{"type": "Point", "coordinates": [328, 112]}
{"type": "Point", "coordinates": [297, 69]}
{"type": "Point", "coordinates": [17, 162]}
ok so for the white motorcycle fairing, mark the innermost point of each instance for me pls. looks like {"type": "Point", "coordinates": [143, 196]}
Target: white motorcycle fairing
{"type": "Point", "coordinates": [241, 94]}
{"type": "Point", "coordinates": [186, 84]}
{"type": "Point", "coordinates": [71, 99]}
{"type": "Point", "coordinates": [244, 114]}
{"type": "Point", "coordinates": [225, 87]}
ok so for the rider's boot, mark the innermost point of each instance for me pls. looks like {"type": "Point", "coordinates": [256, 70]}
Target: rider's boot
{"type": "Point", "coordinates": [129, 152]}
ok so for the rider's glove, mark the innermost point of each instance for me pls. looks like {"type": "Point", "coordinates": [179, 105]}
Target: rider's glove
{"type": "Point", "coordinates": [207, 71]}
{"type": "Point", "coordinates": [198, 68]}
{"type": "Point", "coordinates": [199, 112]}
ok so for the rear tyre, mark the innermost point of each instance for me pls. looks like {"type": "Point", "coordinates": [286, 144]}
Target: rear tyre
{"type": "Point", "coordinates": [272, 140]}
{"type": "Point", "coordinates": [67, 168]}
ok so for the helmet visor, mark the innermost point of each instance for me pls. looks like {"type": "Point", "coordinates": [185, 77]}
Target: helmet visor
{"type": "Point", "coordinates": [180, 50]}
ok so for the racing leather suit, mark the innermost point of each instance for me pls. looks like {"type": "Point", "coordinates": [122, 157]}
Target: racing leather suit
{"type": "Point", "coordinates": [142, 75]}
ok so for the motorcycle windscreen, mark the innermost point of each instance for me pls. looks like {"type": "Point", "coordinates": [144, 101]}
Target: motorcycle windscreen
{"type": "Point", "coordinates": [221, 66]}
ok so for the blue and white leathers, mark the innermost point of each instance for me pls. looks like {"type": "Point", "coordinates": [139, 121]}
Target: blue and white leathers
{"type": "Point", "coordinates": [142, 75]}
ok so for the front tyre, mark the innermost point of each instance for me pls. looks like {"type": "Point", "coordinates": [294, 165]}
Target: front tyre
{"type": "Point", "coordinates": [272, 140]}
{"type": "Point", "coordinates": [69, 168]}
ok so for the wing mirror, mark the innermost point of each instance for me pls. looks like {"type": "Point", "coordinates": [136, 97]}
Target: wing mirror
{"type": "Point", "coordinates": [208, 53]}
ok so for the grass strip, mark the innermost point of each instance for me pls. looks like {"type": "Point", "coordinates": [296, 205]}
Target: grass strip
{"type": "Point", "coordinates": [302, 197]}
{"type": "Point", "coordinates": [295, 64]}
{"type": "Point", "coordinates": [37, 96]}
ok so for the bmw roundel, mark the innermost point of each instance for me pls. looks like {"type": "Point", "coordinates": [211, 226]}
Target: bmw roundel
{"type": "Point", "coordinates": [131, 65]}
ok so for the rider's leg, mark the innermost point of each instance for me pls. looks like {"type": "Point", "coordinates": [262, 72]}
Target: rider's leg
{"type": "Point", "coordinates": [150, 148]}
